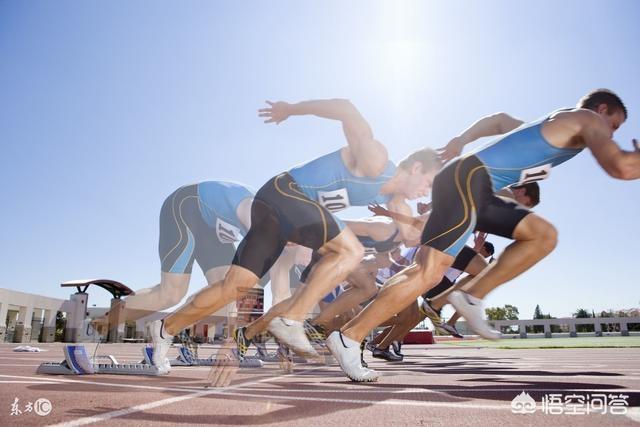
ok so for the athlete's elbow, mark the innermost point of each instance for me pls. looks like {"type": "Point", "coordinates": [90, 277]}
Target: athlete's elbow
{"type": "Point", "coordinates": [345, 106]}
{"type": "Point", "coordinates": [623, 171]}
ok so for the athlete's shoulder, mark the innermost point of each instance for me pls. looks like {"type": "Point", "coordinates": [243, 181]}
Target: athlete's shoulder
{"type": "Point", "coordinates": [228, 186]}
{"type": "Point", "coordinates": [578, 116]}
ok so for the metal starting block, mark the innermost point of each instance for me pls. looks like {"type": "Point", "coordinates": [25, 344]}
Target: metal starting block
{"type": "Point", "coordinates": [274, 357]}
{"type": "Point", "coordinates": [187, 358]}
{"type": "Point", "coordinates": [77, 362]}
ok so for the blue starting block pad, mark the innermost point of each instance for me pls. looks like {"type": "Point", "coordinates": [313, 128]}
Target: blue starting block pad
{"type": "Point", "coordinates": [77, 362]}
{"type": "Point", "coordinates": [187, 358]}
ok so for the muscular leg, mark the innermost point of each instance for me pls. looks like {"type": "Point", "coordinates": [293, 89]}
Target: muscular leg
{"type": "Point", "coordinates": [400, 291]}
{"type": "Point", "coordinates": [363, 287]}
{"type": "Point", "coordinates": [211, 299]}
{"type": "Point", "coordinates": [403, 322]}
{"type": "Point", "coordinates": [535, 239]}
{"type": "Point", "coordinates": [475, 267]}
{"type": "Point", "coordinates": [454, 319]}
{"type": "Point", "coordinates": [262, 322]}
{"type": "Point", "coordinates": [340, 256]}
{"type": "Point", "coordinates": [399, 331]}
{"type": "Point", "coordinates": [169, 292]}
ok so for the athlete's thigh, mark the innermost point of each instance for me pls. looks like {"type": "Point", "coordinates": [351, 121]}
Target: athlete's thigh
{"type": "Point", "coordinates": [459, 192]}
{"type": "Point", "coordinates": [179, 215]}
{"type": "Point", "coordinates": [265, 240]}
{"type": "Point", "coordinates": [501, 217]}
{"type": "Point", "coordinates": [210, 253]}
{"type": "Point", "coordinates": [306, 222]}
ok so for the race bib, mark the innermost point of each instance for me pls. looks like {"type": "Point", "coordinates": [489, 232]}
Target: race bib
{"type": "Point", "coordinates": [335, 200]}
{"type": "Point", "coordinates": [226, 232]}
{"type": "Point", "coordinates": [537, 173]}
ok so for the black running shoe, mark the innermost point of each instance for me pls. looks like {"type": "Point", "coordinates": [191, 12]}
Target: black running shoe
{"type": "Point", "coordinates": [315, 333]}
{"type": "Point", "coordinates": [363, 344]}
{"type": "Point", "coordinates": [242, 342]}
{"type": "Point", "coordinates": [386, 355]}
{"type": "Point", "coordinates": [450, 329]}
{"type": "Point", "coordinates": [397, 348]}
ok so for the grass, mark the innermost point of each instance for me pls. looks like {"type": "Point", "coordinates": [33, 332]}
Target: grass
{"type": "Point", "coordinates": [579, 342]}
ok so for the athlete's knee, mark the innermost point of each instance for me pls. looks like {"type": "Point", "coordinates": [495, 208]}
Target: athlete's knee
{"type": "Point", "coordinates": [171, 294]}
{"type": "Point", "coordinates": [547, 236]}
{"type": "Point", "coordinates": [237, 282]}
{"type": "Point", "coordinates": [431, 265]}
{"type": "Point", "coordinates": [351, 252]}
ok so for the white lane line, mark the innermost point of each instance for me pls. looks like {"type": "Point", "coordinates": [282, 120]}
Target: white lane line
{"type": "Point", "coordinates": [634, 414]}
{"type": "Point", "coordinates": [28, 382]}
{"type": "Point", "coordinates": [163, 402]}
{"type": "Point", "coordinates": [439, 390]}
{"type": "Point", "coordinates": [391, 402]}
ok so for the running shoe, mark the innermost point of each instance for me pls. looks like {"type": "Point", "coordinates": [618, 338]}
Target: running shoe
{"type": "Point", "coordinates": [385, 354]}
{"type": "Point", "coordinates": [242, 342]}
{"type": "Point", "coordinates": [449, 329]}
{"type": "Point", "coordinates": [471, 309]}
{"type": "Point", "coordinates": [347, 353]}
{"type": "Point", "coordinates": [161, 343]}
{"type": "Point", "coordinates": [363, 345]}
{"type": "Point", "coordinates": [397, 348]}
{"type": "Point", "coordinates": [291, 333]}
{"type": "Point", "coordinates": [315, 333]}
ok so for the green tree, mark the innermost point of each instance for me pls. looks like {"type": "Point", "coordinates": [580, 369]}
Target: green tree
{"type": "Point", "coordinates": [508, 312]}
{"type": "Point", "coordinates": [537, 314]}
{"type": "Point", "coordinates": [582, 313]}
{"type": "Point", "coordinates": [511, 312]}
{"type": "Point", "coordinates": [495, 313]}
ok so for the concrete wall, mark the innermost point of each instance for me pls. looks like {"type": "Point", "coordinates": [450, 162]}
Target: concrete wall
{"type": "Point", "coordinates": [27, 304]}
{"type": "Point", "coordinates": [571, 322]}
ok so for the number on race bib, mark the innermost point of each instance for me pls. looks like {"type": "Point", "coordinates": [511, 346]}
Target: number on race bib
{"type": "Point", "coordinates": [334, 201]}
{"type": "Point", "coordinates": [537, 173]}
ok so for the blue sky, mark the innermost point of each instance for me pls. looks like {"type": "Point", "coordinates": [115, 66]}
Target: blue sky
{"type": "Point", "coordinates": [107, 107]}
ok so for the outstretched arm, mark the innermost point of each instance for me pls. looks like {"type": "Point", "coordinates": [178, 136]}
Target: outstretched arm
{"type": "Point", "coordinates": [495, 124]}
{"type": "Point", "coordinates": [416, 222]}
{"type": "Point", "coordinates": [363, 156]}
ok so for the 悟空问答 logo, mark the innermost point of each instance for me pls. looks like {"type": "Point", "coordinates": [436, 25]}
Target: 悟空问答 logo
{"type": "Point", "coordinates": [523, 404]}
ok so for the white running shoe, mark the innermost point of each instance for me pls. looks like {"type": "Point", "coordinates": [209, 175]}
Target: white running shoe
{"type": "Point", "coordinates": [472, 310]}
{"type": "Point", "coordinates": [291, 333]}
{"type": "Point", "coordinates": [161, 344]}
{"type": "Point", "coordinates": [347, 352]}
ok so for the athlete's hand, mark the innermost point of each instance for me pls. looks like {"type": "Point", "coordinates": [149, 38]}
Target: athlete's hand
{"type": "Point", "coordinates": [451, 150]}
{"type": "Point", "coordinates": [378, 210]}
{"type": "Point", "coordinates": [225, 367]}
{"type": "Point", "coordinates": [479, 240]}
{"type": "Point", "coordinates": [276, 112]}
{"type": "Point", "coordinates": [423, 208]}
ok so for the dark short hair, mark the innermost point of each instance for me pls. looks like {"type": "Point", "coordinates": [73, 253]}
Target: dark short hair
{"type": "Point", "coordinates": [427, 157]}
{"type": "Point", "coordinates": [488, 247]}
{"type": "Point", "coordinates": [531, 189]}
{"type": "Point", "coordinates": [597, 97]}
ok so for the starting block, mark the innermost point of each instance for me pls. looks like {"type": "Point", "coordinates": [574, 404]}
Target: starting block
{"type": "Point", "coordinates": [265, 356]}
{"type": "Point", "coordinates": [187, 358]}
{"type": "Point", "coordinates": [77, 362]}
